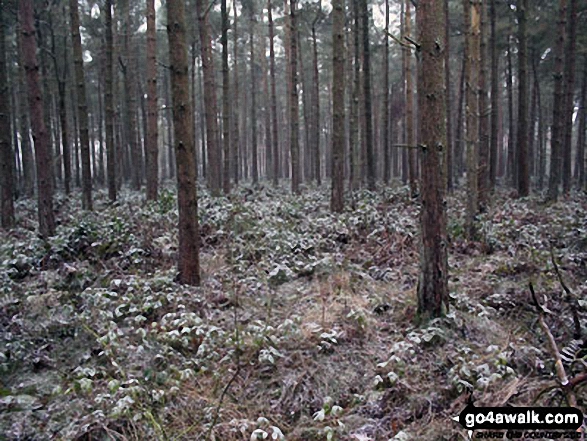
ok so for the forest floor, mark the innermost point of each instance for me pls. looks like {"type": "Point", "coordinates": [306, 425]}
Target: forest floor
{"type": "Point", "coordinates": [303, 327]}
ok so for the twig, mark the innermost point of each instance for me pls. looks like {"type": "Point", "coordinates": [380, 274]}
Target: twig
{"type": "Point", "coordinates": [397, 40]}
{"type": "Point", "coordinates": [570, 297]}
{"type": "Point", "coordinates": [219, 405]}
{"type": "Point", "coordinates": [554, 352]}
{"type": "Point", "coordinates": [407, 146]}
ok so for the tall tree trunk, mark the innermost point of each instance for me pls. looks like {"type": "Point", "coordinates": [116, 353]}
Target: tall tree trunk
{"type": "Point", "coordinates": [483, 169]}
{"type": "Point", "coordinates": [580, 162]}
{"type": "Point", "coordinates": [367, 93]}
{"type": "Point", "coordinates": [433, 281]}
{"type": "Point", "coordinates": [28, 162]}
{"type": "Point", "coordinates": [473, 22]}
{"type": "Point", "coordinates": [410, 139]}
{"type": "Point", "coordinates": [152, 138]}
{"type": "Point", "coordinates": [522, 163]}
{"type": "Point", "coordinates": [225, 100]}
{"type": "Point", "coordinates": [532, 156]}
{"type": "Point", "coordinates": [569, 98]}
{"type": "Point", "coordinates": [460, 142]}
{"type": "Point", "coordinates": [82, 107]}
{"type": "Point", "coordinates": [386, 146]}
{"type": "Point", "coordinates": [40, 134]}
{"type": "Point", "coordinates": [266, 110]}
{"type": "Point", "coordinates": [236, 98]}
{"type": "Point", "coordinates": [210, 101]}
{"type": "Point", "coordinates": [511, 156]}
{"type": "Point", "coordinates": [275, 135]}
{"type": "Point", "coordinates": [189, 235]}
{"type": "Point", "coordinates": [109, 104]}
{"type": "Point", "coordinates": [254, 158]}
{"type": "Point", "coordinates": [556, 138]}
{"type": "Point", "coordinates": [494, 98]}
{"type": "Point", "coordinates": [447, 85]}
{"type": "Point", "coordinates": [355, 162]}
{"type": "Point", "coordinates": [338, 112]}
{"type": "Point", "coordinates": [316, 107]}
{"type": "Point", "coordinates": [294, 103]}
{"type": "Point", "coordinates": [6, 154]}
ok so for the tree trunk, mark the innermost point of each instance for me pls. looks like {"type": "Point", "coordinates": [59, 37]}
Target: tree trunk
{"type": "Point", "coordinates": [511, 157]}
{"type": "Point", "coordinates": [294, 104]}
{"type": "Point", "coordinates": [569, 98]}
{"type": "Point", "coordinates": [82, 106]}
{"type": "Point", "coordinates": [483, 168]}
{"type": "Point", "coordinates": [6, 154]}
{"type": "Point", "coordinates": [40, 134]}
{"type": "Point", "coordinates": [355, 162]}
{"type": "Point", "coordinates": [225, 100]}
{"type": "Point", "coordinates": [338, 111]}
{"type": "Point", "coordinates": [494, 98]}
{"type": "Point", "coordinates": [316, 112]}
{"type": "Point", "coordinates": [386, 146]}
{"type": "Point", "coordinates": [522, 157]}
{"type": "Point", "coordinates": [210, 101]}
{"type": "Point", "coordinates": [275, 133]}
{"type": "Point", "coordinates": [189, 235]}
{"type": "Point", "coordinates": [236, 99]}
{"type": "Point", "coordinates": [410, 139]}
{"type": "Point", "coordinates": [447, 85]}
{"type": "Point", "coordinates": [254, 158]}
{"type": "Point", "coordinates": [152, 146]}
{"type": "Point", "coordinates": [580, 162]}
{"type": "Point", "coordinates": [433, 281]}
{"type": "Point", "coordinates": [556, 138]}
{"type": "Point", "coordinates": [473, 22]}
{"type": "Point", "coordinates": [367, 93]}
{"type": "Point", "coordinates": [109, 105]}
{"type": "Point", "coordinates": [459, 135]}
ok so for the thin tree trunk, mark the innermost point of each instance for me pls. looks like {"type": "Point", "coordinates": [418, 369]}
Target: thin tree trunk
{"type": "Point", "coordinates": [447, 85]}
{"type": "Point", "coordinates": [511, 155]}
{"type": "Point", "coordinates": [294, 104]}
{"type": "Point", "coordinates": [580, 162]}
{"type": "Point", "coordinates": [235, 107]}
{"type": "Point", "coordinates": [494, 98]}
{"type": "Point", "coordinates": [82, 106]}
{"type": "Point", "coordinates": [472, 20]}
{"type": "Point", "coordinates": [483, 169]}
{"type": "Point", "coordinates": [522, 163]}
{"type": "Point", "coordinates": [40, 135]}
{"type": "Point", "coordinates": [275, 139]}
{"type": "Point", "coordinates": [459, 135]}
{"type": "Point", "coordinates": [338, 113]}
{"type": "Point", "coordinates": [189, 235]}
{"type": "Point", "coordinates": [355, 163]}
{"type": "Point", "coordinates": [109, 104]}
{"type": "Point", "coordinates": [253, 85]}
{"type": "Point", "coordinates": [316, 112]}
{"type": "Point", "coordinates": [386, 146]}
{"type": "Point", "coordinates": [557, 131]}
{"type": "Point", "coordinates": [152, 138]}
{"type": "Point", "coordinates": [225, 100]}
{"type": "Point", "coordinates": [569, 98]}
{"type": "Point", "coordinates": [367, 93]}
{"type": "Point", "coordinates": [6, 154]}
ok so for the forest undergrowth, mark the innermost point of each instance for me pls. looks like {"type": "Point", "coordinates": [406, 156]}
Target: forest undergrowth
{"type": "Point", "coordinates": [304, 327]}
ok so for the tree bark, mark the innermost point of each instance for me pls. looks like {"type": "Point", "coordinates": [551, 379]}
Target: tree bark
{"type": "Point", "coordinates": [40, 134]}
{"type": "Point", "coordinates": [569, 98]}
{"type": "Point", "coordinates": [522, 162]}
{"type": "Point", "coordinates": [410, 139]}
{"type": "Point", "coordinates": [294, 103]}
{"type": "Point", "coordinates": [254, 158]}
{"type": "Point", "coordinates": [473, 22]}
{"type": "Point", "coordinates": [236, 98]}
{"type": "Point", "coordinates": [152, 140]}
{"type": "Point", "coordinates": [82, 107]}
{"type": "Point", "coordinates": [275, 134]}
{"type": "Point", "coordinates": [370, 153]}
{"type": "Point", "coordinates": [556, 140]}
{"type": "Point", "coordinates": [433, 281]}
{"type": "Point", "coordinates": [448, 105]}
{"type": "Point", "coordinates": [316, 108]}
{"type": "Point", "coordinates": [6, 153]}
{"type": "Point", "coordinates": [338, 111]}
{"type": "Point", "coordinates": [494, 98]}
{"type": "Point", "coordinates": [109, 105]}
{"type": "Point", "coordinates": [483, 169]}
{"type": "Point", "coordinates": [580, 162]}
{"type": "Point", "coordinates": [511, 155]}
{"type": "Point", "coordinates": [225, 100]}
{"type": "Point", "coordinates": [189, 235]}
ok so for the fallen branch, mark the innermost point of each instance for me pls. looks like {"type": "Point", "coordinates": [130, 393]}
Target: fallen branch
{"type": "Point", "coordinates": [567, 387]}
{"type": "Point", "coordinates": [570, 297]}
